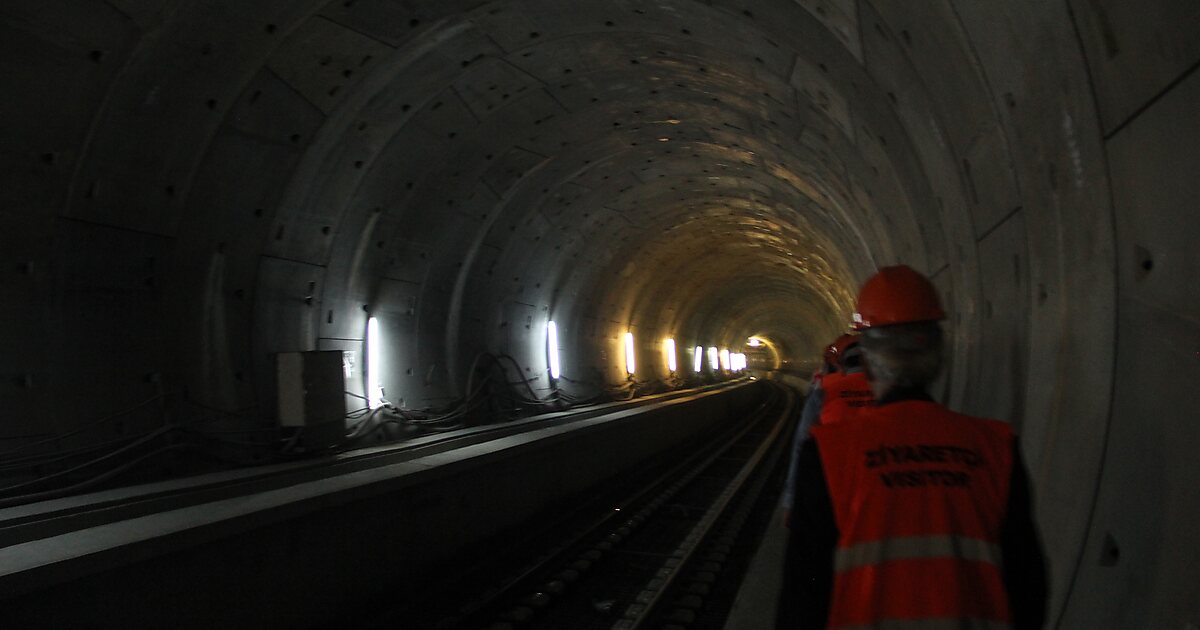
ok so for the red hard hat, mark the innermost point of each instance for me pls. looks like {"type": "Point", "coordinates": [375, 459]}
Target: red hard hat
{"type": "Point", "coordinates": [897, 295]}
{"type": "Point", "coordinates": [843, 343]}
{"type": "Point", "coordinates": [833, 352]}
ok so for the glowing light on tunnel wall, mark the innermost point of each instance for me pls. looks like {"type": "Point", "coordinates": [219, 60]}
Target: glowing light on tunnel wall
{"type": "Point", "coordinates": [753, 342]}
{"type": "Point", "coordinates": [737, 361]}
{"type": "Point", "coordinates": [724, 358]}
{"type": "Point", "coordinates": [712, 358]}
{"type": "Point", "coordinates": [697, 358]}
{"type": "Point", "coordinates": [374, 364]}
{"type": "Point", "coordinates": [669, 349]}
{"type": "Point", "coordinates": [630, 363]}
{"type": "Point", "coordinates": [552, 349]}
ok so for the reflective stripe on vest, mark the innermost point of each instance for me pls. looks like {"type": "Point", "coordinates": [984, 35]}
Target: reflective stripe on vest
{"type": "Point", "coordinates": [915, 547]}
{"type": "Point", "coordinates": [919, 495]}
{"type": "Point", "coordinates": [845, 394]}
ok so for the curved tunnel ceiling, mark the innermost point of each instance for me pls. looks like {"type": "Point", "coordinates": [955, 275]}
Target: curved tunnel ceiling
{"type": "Point", "coordinates": [193, 187]}
{"type": "Point", "coordinates": [582, 155]}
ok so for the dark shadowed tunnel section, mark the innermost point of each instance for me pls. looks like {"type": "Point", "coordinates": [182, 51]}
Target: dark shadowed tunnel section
{"type": "Point", "coordinates": [192, 187]}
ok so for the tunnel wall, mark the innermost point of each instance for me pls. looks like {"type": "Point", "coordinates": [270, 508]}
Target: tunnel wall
{"type": "Point", "coordinates": [1133, 569]}
{"type": "Point", "coordinates": [189, 188]}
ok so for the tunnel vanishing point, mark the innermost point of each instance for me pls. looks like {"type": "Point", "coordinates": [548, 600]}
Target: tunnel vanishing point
{"type": "Point", "coordinates": [191, 187]}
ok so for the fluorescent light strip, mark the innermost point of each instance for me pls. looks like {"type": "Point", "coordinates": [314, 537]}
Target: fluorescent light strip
{"type": "Point", "coordinates": [697, 359]}
{"type": "Point", "coordinates": [552, 349]}
{"type": "Point", "coordinates": [712, 358]}
{"type": "Point", "coordinates": [630, 363]}
{"type": "Point", "coordinates": [669, 348]}
{"type": "Point", "coordinates": [374, 365]}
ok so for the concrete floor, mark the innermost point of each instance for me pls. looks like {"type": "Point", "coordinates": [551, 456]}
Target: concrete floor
{"type": "Point", "coordinates": [754, 608]}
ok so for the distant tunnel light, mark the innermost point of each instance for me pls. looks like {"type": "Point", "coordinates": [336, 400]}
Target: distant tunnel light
{"type": "Point", "coordinates": [712, 358]}
{"type": "Point", "coordinates": [552, 349]}
{"type": "Point", "coordinates": [725, 358]}
{"type": "Point", "coordinates": [630, 362]}
{"type": "Point", "coordinates": [374, 365]}
{"type": "Point", "coordinates": [754, 342]}
{"type": "Point", "coordinates": [669, 348]}
{"type": "Point", "coordinates": [697, 358]}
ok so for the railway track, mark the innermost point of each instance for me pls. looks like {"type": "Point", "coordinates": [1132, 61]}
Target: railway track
{"type": "Point", "coordinates": [660, 547]}
{"type": "Point", "coordinates": [62, 515]}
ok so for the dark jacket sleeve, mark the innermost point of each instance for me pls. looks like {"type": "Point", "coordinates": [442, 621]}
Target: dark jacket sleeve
{"type": "Point", "coordinates": [808, 416]}
{"type": "Point", "coordinates": [1021, 549]}
{"type": "Point", "coordinates": [814, 534]}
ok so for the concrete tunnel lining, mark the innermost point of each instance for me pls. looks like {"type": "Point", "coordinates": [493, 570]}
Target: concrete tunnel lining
{"type": "Point", "coordinates": [231, 181]}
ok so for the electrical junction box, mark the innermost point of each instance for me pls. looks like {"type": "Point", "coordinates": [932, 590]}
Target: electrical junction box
{"type": "Point", "coordinates": [311, 395]}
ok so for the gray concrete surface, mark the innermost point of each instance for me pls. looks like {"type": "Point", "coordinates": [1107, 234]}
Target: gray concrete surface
{"type": "Point", "coordinates": [754, 606]}
{"type": "Point", "coordinates": [189, 187]}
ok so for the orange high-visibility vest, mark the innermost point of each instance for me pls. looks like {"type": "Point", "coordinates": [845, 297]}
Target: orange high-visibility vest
{"type": "Point", "coordinates": [919, 495]}
{"type": "Point", "coordinates": [845, 394]}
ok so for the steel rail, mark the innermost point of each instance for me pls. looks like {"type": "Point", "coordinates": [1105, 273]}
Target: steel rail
{"type": "Point", "coordinates": [652, 594]}
{"type": "Point", "coordinates": [541, 593]}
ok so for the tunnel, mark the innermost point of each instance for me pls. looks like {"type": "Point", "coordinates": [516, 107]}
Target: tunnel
{"type": "Point", "coordinates": [192, 189]}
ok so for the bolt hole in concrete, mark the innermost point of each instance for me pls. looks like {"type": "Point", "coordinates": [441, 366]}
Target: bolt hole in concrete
{"type": "Point", "coordinates": [1110, 553]}
{"type": "Point", "coordinates": [1145, 262]}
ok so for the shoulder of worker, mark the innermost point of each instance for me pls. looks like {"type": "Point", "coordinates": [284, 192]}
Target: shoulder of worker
{"type": "Point", "coordinates": [996, 425]}
{"type": "Point", "coordinates": [906, 411]}
{"type": "Point", "coordinates": [831, 377]}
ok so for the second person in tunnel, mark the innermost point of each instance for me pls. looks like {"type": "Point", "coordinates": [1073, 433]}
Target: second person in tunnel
{"type": "Point", "coordinates": [841, 390]}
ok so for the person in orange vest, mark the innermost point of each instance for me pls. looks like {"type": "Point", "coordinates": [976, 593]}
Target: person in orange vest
{"type": "Point", "coordinates": [847, 390]}
{"type": "Point", "coordinates": [841, 391]}
{"type": "Point", "coordinates": [907, 514]}
{"type": "Point", "coordinates": [828, 362]}
{"type": "Point", "coordinates": [814, 406]}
